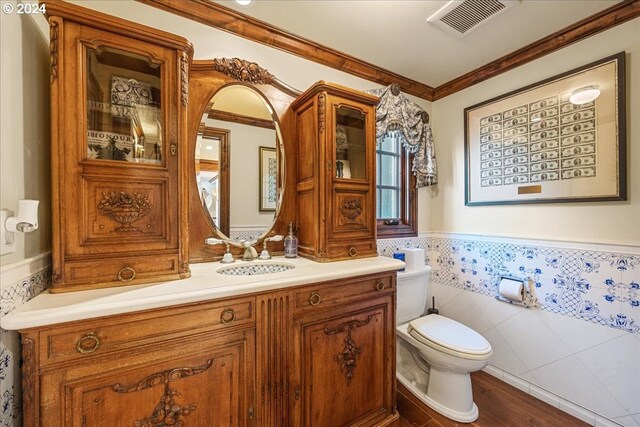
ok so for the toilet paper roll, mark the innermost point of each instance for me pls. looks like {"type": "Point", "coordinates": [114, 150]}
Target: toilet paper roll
{"type": "Point", "coordinates": [511, 289]}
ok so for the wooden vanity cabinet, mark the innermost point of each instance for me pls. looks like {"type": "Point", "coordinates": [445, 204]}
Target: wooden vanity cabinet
{"type": "Point", "coordinates": [336, 176]}
{"type": "Point", "coordinates": [343, 365]}
{"type": "Point", "coordinates": [315, 355]}
{"type": "Point", "coordinates": [191, 365]}
{"type": "Point", "coordinates": [118, 137]}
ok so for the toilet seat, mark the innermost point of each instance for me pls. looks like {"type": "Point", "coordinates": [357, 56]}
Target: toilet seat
{"type": "Point", "coordinates": [449, 336]}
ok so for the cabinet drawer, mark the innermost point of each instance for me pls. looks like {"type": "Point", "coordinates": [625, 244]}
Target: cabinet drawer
{"type": "Point", "coordinates": [351, 250]}
{"type": "Point", "coordinates": [94, 337]}
{"type": "Point", "coordinates": [92, 273]}
{"type": "Point", "coordinates": [329, 293]}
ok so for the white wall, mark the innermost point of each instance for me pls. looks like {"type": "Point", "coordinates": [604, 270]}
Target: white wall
{"type": "Point", "coordinates": [604, 222]}
{"type": "Point", "coordinates": [24, 125]}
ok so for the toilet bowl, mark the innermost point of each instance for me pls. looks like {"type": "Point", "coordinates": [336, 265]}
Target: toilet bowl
{"type": "Point", "coordinates": [436, 354]}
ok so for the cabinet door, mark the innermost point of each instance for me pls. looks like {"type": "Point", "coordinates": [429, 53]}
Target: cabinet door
{"type": "Point", "coordinates": [210, 386]}
{"type": "Point", "coordinates": [343, 365]}
{"type": "Point", "coordinates": [351, 145]}
{"type": "Point", "coordinates": [118, 146]}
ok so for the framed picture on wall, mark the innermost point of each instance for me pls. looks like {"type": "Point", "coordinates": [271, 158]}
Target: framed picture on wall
{"type": "Point", "coordinates": [268, 176]}
{"type": "Point", "coordinates": [562, 139]}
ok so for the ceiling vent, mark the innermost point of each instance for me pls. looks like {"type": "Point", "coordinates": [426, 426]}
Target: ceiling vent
{"type": "Point", "coordinates": [460, 17]}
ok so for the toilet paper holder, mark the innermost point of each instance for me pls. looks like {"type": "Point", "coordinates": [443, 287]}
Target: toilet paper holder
{"type": "Point", "coordinates": [529, 299]}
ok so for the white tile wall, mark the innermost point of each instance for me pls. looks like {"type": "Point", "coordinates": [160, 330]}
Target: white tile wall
{"type": "Point", "coordinates": [628, 421]}
{"type": "Point", "coordinates": [613, 364]}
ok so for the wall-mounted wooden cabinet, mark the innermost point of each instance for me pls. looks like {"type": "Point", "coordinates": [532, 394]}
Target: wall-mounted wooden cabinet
{"type": "Point", "coordinates": [314, 355]}
{"type": "Point", "coordinates": [118, 126]}
{"type": "Point", "coordinates": [335, 128]}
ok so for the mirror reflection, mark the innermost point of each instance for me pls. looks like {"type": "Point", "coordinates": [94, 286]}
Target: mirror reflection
{"type": "Point", "coordinates": [239, 162]}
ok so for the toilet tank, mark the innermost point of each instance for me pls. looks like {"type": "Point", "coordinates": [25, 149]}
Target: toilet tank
{"type": "Point", "coordinates": [412, 294]}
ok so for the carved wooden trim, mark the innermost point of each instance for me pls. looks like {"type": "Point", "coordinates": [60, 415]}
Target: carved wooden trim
{"type": "Point", "coordinates": [273, 374]}
{"type": "Point", "coordinates": [211, 64]}
{"type": "Point", "coordinates": [321, 112]}
{"type": "Point", "coordinates": [351, 208]}
{"type": "Point", "coordinates": [243, 70]}
{"type": "Point", "coordinates": [184, 267]}
{"type": "Point", "coordinates": [168, 412]}
{"type": "Point", "coordinates": [28, 384]}
{"type": "Point", "coordinates": [601, 21]}
{"type": "Point", "coordinates": [184, 78]}
{"type": "Point", "coordinates": [164, 377]}
{"type": "Point", "coordinates": [226, 19]}
{"type": "Point", "coordinates": [350, 353]}
{"type": "Point", "coordinates": [124, 208]}
{"type": "Point", "coordinates": [53, 49]}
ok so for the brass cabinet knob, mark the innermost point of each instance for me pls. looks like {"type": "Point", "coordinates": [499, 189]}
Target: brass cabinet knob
{"type": "Point", "coordinates": [227, 316]}
{"type": "Point", "coordinates": [314, 299]}
{"type": "Point", "coordinates": [88, 343]}
{"type": "Point", "coordinates": [353, 251]}
{"type": "Point", "coordinates": [126, 274]}
{"type": "Point", "coordinates": [380, 285]}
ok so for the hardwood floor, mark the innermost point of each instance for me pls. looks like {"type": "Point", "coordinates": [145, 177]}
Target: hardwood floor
{"type": "Point", "coordinates": [500, 405]}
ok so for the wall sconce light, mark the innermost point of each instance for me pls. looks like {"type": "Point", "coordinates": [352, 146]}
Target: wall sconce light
{"type": "Point", "coordinates": [243, 2]}
{"type": "Point", "coordinates": [584, 95]}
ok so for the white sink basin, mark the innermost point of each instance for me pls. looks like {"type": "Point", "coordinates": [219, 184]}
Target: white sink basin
{"type": "Point", "coordinates": [255, 268]}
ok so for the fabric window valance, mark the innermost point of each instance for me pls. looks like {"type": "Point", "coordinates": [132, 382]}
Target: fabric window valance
{"type": "Point", "coordinates": [397, 114]}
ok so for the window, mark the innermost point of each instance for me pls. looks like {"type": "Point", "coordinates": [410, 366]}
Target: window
{"type": "Point", "coordinates": [396, 204]}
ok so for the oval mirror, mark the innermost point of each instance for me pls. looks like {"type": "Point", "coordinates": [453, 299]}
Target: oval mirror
{"type": "Point", "coordinates": [239, 163]}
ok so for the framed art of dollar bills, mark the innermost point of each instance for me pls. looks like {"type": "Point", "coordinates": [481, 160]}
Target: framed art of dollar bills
{"type": "Point", "coordinates": [559, 140]}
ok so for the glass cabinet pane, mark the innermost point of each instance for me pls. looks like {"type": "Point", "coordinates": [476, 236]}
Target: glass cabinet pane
{"type": "Point", "coordinates": [350, 144]}
{"type": "Point", "coordinates": [124, 116]}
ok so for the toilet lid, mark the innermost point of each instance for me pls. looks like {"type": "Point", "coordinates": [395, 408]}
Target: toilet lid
{"type": "Point", "coordinates": [449, 334]}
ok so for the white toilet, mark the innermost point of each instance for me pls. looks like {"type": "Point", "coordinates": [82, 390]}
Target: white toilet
{"type": "Point", "coordinates": [435, 355]}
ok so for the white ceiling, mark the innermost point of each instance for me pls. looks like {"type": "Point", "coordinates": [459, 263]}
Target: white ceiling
{"type": "Point", "coordinates": [396, 36]}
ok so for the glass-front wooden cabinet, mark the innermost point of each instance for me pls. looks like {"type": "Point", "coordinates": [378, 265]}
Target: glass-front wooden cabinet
{"type": "Point", "coordinates": [335, 130]}
{"type": "Point", "coordinates": [124, 106]}
{"type": "Point", "coordinates": [118, 102]}
{"type": "Point", "coordinates": [350, 143]}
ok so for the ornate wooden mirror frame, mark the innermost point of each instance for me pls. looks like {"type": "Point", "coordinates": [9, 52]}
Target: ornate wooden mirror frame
{"type": "Point", "coordinates": [207, 77]}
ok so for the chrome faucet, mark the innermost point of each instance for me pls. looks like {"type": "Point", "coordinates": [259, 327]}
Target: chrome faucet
{"type": "Point", "coordinates": [249, 251]}
{"type": "Point", "coordinates": [265, 253]}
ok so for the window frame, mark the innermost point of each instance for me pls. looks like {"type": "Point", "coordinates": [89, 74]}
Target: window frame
{"type": "Point", "coordinates": [408, 202]}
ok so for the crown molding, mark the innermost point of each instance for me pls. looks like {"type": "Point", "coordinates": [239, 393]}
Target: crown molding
{"type": "Point", "coordinates": [601, 21]}
{"type": "Point", "coordinates": [226, 19]}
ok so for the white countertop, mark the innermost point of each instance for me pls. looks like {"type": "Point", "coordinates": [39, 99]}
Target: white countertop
{"type": "Point", "coordinates": [204, 284]}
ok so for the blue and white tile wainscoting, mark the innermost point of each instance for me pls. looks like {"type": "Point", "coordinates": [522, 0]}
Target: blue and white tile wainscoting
{"type": "Point", "coordinates": [580, 350]}
{"type": "Point", "coordinates": [19, 283]}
